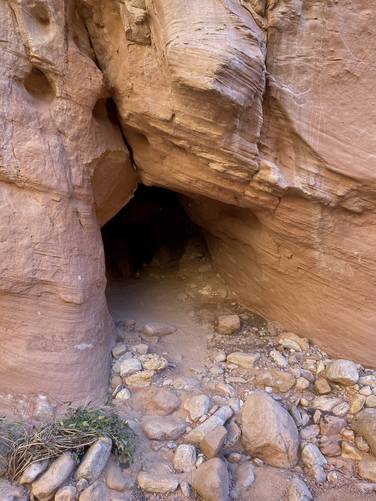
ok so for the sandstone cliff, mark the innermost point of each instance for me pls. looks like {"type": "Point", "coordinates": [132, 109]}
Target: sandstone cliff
{"type": "Point", "coordinates": [260, 112]}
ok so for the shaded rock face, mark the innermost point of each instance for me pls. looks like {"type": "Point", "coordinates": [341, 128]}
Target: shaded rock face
{"type": "Point", "coordinates": [58, 144]}
{"type": "Point", "coordinates": [279, 171]}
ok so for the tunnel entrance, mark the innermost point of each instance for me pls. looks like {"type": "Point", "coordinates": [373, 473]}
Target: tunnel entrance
{"type": "Point", "coordinates": [152, 230]}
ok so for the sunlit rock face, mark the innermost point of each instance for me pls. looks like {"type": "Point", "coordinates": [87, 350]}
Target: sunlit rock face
{"type": "Point", "coordinates": [55, 329]}
{"type": "Point", "coordinates": [267, 109]}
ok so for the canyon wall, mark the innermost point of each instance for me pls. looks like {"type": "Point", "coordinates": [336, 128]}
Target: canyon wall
{"type": "Point", "coordinates": [267, 109]}
{"type": "Point", "coordinates": [57, 144]}
{"type": "Point", "coordinates": [262, 112]}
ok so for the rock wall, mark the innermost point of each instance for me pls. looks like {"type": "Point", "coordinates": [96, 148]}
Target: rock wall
{"type": "Point", "coordinates": [262, 112]}
{"type": "Point", "coordinates": [266, 108]}
{"type": "Point", "coordinates": [57, 145]}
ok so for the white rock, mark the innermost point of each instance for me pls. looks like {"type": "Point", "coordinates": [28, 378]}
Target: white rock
{"type": "Point", "coordinates": [342, 372]}
{"type": "Point", "coordinates": [185, 458]}
{"type": "Point", "coordinates": [123, 394]}
{"type": "Point", "coordinates": [298, 491]}
{"type": "Point", "coordinates": [197, 406]}
{"type": "Point", "coordinates": [94, 460]}
{"type": "Point", "coordinates": [129, 366]}
{"type": "Point", "coordinates": [33, 471]}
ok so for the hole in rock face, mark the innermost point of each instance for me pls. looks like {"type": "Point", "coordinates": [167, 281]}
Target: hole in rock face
{"type": "Point", "coordinates": [152, 230]}
{"type": "Point", "coordinates": [41, 13]}
{"type": "Point", "coordinates": [105, 109]}
{"type": "Point", "coordinates": [37, 85]}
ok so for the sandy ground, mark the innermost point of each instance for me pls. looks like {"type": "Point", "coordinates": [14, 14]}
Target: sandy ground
{"type": "Point", "coordinates": [157, 298]}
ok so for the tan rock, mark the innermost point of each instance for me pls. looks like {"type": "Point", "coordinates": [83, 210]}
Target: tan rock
{"type": "Point", "coordinates": [67, 493]}
{"type": "Point", "coordinates": [153, 362]}
{"type": "Point", "coordinates": [197, 406]}
{"type": "Point", "coordinates": [155, 329]}
{"type": "Point", "coordinates": [268, 431]}
{"type": "Point", "coordinates": [156, 483]}
{"type": "Point", "coordinates": [219, 418]}
{"type": "Point", "coordinates": [245, 360]}
{"type": "Point", "coordinates": [322, 386]}
{"type": "Point", "coordinates": [276, 379]}
{"type": "Point", "coordinates": [357, 403]}
{"type": "Point", "coordinates": [54, 477]}
{"type": "Point", "coordinates": [185, 458]}
{"type": "Point", "coordinates": [140, 379]}
{"type": "Point", "coordinates": [163, 427]}
{"type": "Point", "coordinates": [213, 441]}
{"type": "Point", "coordinates": [365, 425]}
{"type": "Point", "coordinates": [366, 468]}
{"type": "Point", "coordinates": [161, 401]}
{"type": "Point", "coordinates": [349, 451]}
{"type": "Point", "coordinates": [211, 480]}
{"type": "Point", "coordinates": [228, 324]}
{"type": "Point", "coordinates": [342, 372]}
{"type": "Point", "coordinates": [293, 342]}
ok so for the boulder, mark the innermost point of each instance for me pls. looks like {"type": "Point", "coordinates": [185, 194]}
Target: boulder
{"type": "Point", "coordinates": [219, 418]}
{"type": "Point", "coordinates": [228, 324]}
{"type": "Point", "coordinates": [94, 460]}
{"type": "Point", "coordinates": [161, 401]}
{"type": "Point", "coordinates": [129, 366]}
{"type": "Point", "coordinates": [365, 425]}
{"type": "Point", "coordinates": [211, 480]}
{"type": "Point", "coordinates": [153, 362]}
{"type": "Point", "coordinates": [156, 329]}
{"type": "Point", "coordinates": [163, 427]}
{"type": "Point", "coordinates": [197, 406]}
{"type": "Point", "coordinates": [151, 482]}
{"type": "Point", "coordinates": [342, 372]}
{"type": "Point", "coordinates": [67, 493]}
{"type": "Point", "coordinates": [33, 471]}
{"type": "Point", "coordinates": [56, 474]}
{"type": "Point", "coordinates": [268, 431]}
{"type": "Point", "coordinates": [213, 441]}
{"type": "Point", "coordinates": [96, 492]}
{"type": "Point", "coordinates": [278, 380]}
{"type": "Point", "coordinates": [366, 469]}
{"type": "Point", "coordinates": [244, 360]}
{"type": "Point", "coordinates": [298, 491]}
{"type": "Point", "coordinates": [185, 458]}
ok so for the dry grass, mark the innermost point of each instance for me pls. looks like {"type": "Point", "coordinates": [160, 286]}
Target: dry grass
{"type": "Point", "coordinates": [75, 432]}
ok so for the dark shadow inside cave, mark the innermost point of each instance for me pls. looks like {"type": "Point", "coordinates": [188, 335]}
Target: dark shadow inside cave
{"type": "Point", "coordinates": [152, 228]}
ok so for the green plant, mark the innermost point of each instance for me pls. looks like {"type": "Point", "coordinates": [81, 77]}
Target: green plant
{"type": "Point", "coordinates": [75, 432]}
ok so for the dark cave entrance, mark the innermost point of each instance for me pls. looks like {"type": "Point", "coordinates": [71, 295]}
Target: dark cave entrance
{"type": "Point", "coordinates": [152, 229]}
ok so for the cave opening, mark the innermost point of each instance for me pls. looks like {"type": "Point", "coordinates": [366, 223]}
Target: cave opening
{"type": "Point", "coordinates": [151, 231]}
